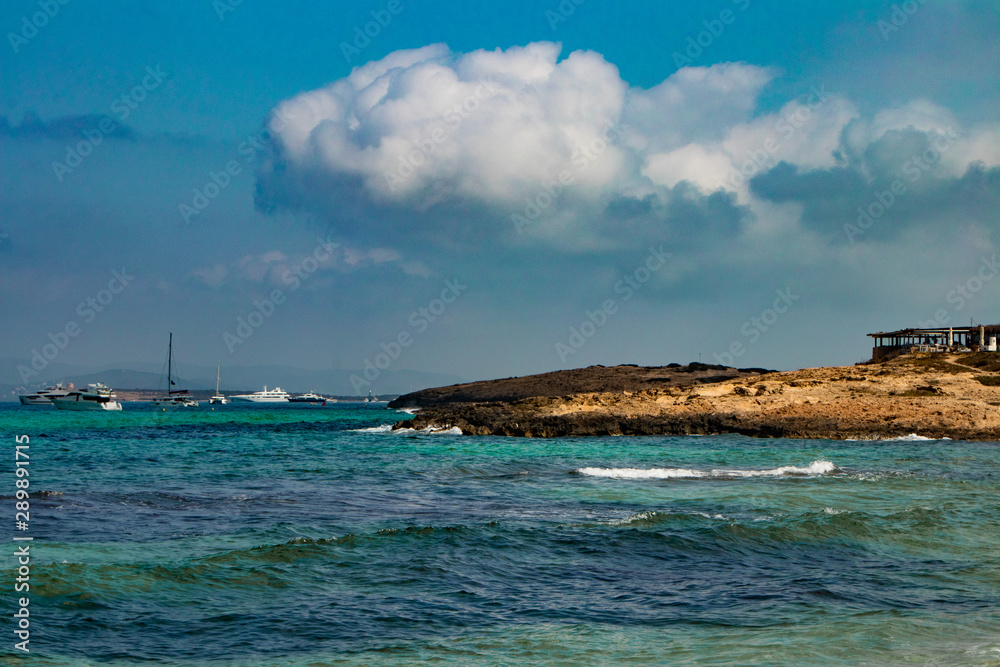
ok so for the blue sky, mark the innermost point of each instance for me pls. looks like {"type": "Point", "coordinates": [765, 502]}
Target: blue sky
{"type": "Point", "coordinates": [653, 250]}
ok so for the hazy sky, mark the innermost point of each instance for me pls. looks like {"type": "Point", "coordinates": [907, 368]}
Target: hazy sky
{"type": "Point", "coordinates": [494, 189]}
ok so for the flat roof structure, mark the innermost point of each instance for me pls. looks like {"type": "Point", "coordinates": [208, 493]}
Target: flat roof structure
{"type": "Point", "coordinates": [937, 336]}
{"type": "Point", "coordinates": [941, 337]}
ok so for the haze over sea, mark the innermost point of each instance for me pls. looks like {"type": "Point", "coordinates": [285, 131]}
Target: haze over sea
{"type": "Point", "coordinates": [315, 536]}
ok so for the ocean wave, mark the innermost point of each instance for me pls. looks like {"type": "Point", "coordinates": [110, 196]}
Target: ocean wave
{"type": "Point", "coordinates": [814, 468]}
{"type": "Point", "coordinates": [35, 494]}
{"type": "Point", "coordinates": [454, 430]}
{"type": "Point", "coordinates": [652, 517]}
{"type": "Point", "coordinates": [432, 430]}
{"type": "Point", "coordinates": [912, 437]}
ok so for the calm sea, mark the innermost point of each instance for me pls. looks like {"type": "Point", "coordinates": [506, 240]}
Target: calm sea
{"type": "Point", "coordinates": [313, 536]}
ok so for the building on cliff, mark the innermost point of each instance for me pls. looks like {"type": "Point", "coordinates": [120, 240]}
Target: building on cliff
{"type": "Point", "coordinates": [945, 339]}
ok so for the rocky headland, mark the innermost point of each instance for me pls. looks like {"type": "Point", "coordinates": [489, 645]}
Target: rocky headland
{"type": "Point", "coordinates": [955, 396]}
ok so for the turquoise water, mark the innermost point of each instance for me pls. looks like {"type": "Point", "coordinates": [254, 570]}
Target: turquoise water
{"type": "Point", "coordinates": [309, 536]}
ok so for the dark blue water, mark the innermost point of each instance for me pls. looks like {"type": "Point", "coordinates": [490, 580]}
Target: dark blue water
{"type": "Point", "coordinates": [309, 536]}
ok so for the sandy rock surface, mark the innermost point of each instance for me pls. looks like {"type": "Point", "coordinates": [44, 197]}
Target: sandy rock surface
{"type": "Point", "coordinates": [932, 396]}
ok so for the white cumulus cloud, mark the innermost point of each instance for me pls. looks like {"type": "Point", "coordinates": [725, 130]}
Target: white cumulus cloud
{"type": "Point", "coordinates": [430, 143]}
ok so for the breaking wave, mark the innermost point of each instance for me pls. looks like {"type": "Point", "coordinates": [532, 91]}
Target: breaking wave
{"type": "Point", "coordinates": [912, 437]}
{"type": "Point", "coordinates": [432, 430]}
{"type": "Point", "coordinates": [384, 428]}
{"type": "Point", "coordinates": [814, 468]}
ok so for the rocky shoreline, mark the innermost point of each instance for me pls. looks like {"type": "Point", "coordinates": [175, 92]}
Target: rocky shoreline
{"type": "Point", "coordinates": [935, 396]}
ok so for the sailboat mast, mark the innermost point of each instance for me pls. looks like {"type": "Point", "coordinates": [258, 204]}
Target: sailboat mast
{"type": "Point", "coordinates": [170, 356]}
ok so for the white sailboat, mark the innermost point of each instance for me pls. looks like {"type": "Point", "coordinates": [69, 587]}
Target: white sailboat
{"type": "Point", "coordinates": [218, 399]}
{"type": "Point", "coordinates": [178, 398]}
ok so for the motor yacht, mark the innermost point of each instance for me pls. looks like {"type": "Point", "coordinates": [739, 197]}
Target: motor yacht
{"type": "Point", "coordinates": [95, 397]}
{"type": "Point", "coordinates": [45, 396]}
{"type": "Point", "coordinates": [275, 395]}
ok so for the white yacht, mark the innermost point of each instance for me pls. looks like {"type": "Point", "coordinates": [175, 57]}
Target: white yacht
{"type": "Point", "coordinates": [275, 395]}
{"type": "Point", "coordinates": [45, 396]}
{"type": "Point", "coordinates": [218, 399]}
{"type": "Point", "coordinates": [173, 399]}
{"type": "Point", "coordinates": [95, 397]}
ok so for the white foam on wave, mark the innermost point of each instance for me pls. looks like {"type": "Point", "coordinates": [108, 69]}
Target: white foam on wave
{"type": "Point", "coordinates": [814, 468]}
{"type": "Point", "coordinates": [409, 411]}
{"type": "Point", "coordinates": [432, 430]}
{"type": "Point", "coordinates": [454, 430]}
{"type": "Point", "coordinates": [641, 516]}
{"type": "Point", "coordinates": [384, 428]}
{"type": "Point", "coordinates": [387, 428]}
{"type": "Point", "coordinates": [913, 437]}
{"type": "Point", "coordinates": [649, 515]}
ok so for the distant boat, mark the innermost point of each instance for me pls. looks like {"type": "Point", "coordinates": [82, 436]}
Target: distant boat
{"type": "Point", "coordinates": [218, 399]}
{"type": "Point", "coordinates": [45, 396]}
{"type": "Point", "coordinates": [95, 397]}
{"type": "Point", "coordinates": [308, 398]}
{"type": "Point", "coordinates": [173, 399]}
{"type": "Point", "coordinates": [275, 395]}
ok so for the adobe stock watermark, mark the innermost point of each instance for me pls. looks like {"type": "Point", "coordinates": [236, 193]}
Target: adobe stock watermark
{"type": "Point", "coordinates": [581, 159]}
{"type": "Point", "coordinates": [899, 17]}
{"type": "Point", "coordinates": [627, 287]}
{"type": "Point", "coordinates": [219, 180]}
{"type": "Point", "coordinates": [31, 24]}
{"type": "Point", "coordinates": [88, 310]}
{"type": "Point", "coordinates": [963, 293]}
{"type": "Point", "coordinates": [419, 321]}
{"type": "Point", "coordinates": [122, 106]}
{"type": "Point", "coordinates": [562, 12]}
{"type": "Point", "coordinates": [764, 158]}
{"type": "Point", "coordinates": [884, 200]}
{"type": "Point", "coordinates": [757, 326]}
{"type": "Point", "coordinates": [425, 148]}
{"type": "Point", "coordinates": [714, 28]}
{"type": "Point", "coordinates": [363, 37]}
{"type": "Point", "coordinates": [224, 7]}
{"type": "Point", "coordinates": [264, 309]}
{"type": "Point", "coordinates": [22, 521]}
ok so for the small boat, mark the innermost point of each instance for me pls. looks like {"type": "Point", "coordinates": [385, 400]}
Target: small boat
{"type": "Point", "coordinates": [95, 397]}
{"type": "Point", "coordinates": [308, 398]}
{"type": "Point", "coordinates": [45, 396]}
{"type": "Point", "coordinates": [178, 398]}
{"type": "Point", "coordinates": [275, 395]}
{"type": "Point", "coordinates": [218, 399]}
